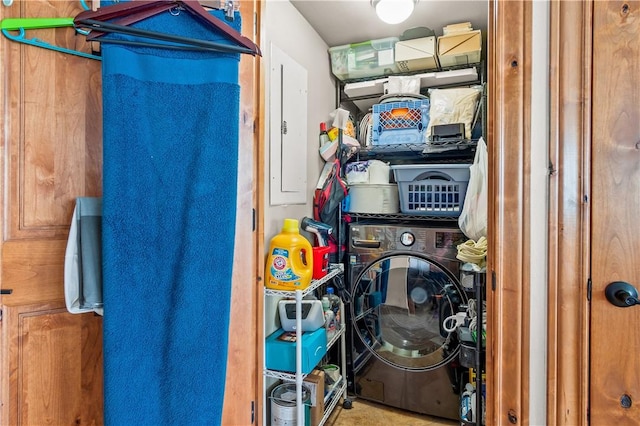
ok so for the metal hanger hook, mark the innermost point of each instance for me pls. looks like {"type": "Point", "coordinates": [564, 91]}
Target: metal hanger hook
{"type": "Point", "coordinates": [175, 11]}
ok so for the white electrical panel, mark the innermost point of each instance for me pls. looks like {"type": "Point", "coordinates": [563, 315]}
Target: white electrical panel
{"type": "Point", "coordinates": [287, 130]}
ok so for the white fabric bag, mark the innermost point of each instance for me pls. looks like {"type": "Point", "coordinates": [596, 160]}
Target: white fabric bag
{"type": "Point", "coordinates": [473, 219]}
{"type": "Point", "coordinates": [83, 258]}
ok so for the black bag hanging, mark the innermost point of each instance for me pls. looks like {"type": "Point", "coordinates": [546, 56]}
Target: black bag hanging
{"type": "Point", "coordinates": [327, 201]}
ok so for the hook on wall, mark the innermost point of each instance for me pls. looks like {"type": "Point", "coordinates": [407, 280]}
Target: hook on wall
{"type": "Point", "coordinates": [21, 25]}
{"type": "Point", "coordinates": [20, 38]}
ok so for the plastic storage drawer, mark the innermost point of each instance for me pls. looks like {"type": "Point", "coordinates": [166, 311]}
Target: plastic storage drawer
{"type": "Point", "coordinates": [402, 122]}
{"type": "Point", "coordinates": [363, 60]}
{"type": "Point", "coordinates": [432, 189]}
{"type": "Point", "coordinates": [281, 354]}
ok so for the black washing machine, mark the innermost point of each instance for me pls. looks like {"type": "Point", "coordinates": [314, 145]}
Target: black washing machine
{"type": "Point", "coordinates": [403, 282]}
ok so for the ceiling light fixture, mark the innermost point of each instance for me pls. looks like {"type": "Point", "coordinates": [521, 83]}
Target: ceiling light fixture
{"type": "Point", "coordinates": [393, 11]}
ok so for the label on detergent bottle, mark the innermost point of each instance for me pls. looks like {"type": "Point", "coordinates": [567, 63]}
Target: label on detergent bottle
{"type": "Point", "coordinates": [281, 267]}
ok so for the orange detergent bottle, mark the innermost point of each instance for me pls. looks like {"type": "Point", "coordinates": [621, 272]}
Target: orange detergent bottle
{"type": "Point", "coordinates": [290, 261]}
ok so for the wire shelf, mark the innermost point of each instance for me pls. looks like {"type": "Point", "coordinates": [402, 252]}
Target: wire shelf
{"type": "Point", "coordinates": [335, 269]}
{"type": "Point", "coordinates": [400, 216]}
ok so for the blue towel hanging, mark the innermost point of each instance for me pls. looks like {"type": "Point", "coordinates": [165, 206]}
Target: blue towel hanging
{"type": "Point", "coordinates": [171, 120]}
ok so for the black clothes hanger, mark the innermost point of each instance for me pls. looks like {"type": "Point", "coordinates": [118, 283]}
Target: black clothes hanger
{"type": "Point", "coordinates": [132, 17]}
{"type": "Point", "coordinates": [127, 13]}
{"type": "Point", "coordinates": [177, 42]}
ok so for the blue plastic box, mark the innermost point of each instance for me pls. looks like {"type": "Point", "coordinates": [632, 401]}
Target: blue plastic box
{"type": "Point", "coordinates": [281, 355]}
{"type": "Point", "coordinates": [401, 122]}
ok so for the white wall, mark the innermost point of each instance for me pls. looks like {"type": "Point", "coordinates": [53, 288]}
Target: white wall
{"type": "Point", "coordinates": [539, 216]}
{"type": "Point", "coordinates": [289, 31]}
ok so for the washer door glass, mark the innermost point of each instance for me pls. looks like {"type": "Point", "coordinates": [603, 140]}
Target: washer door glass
{"type": "Point", "coordinates": [399, 304]}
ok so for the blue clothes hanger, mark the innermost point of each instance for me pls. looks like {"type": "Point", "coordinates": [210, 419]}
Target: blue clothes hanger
{"type": "Point", "coordinates": [23, 24]}
{"type": "Point", "coordinates": [8, 25]}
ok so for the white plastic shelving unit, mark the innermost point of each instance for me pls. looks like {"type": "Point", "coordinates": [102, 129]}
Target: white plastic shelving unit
{"type": "Point", "coordinates": [340, 388]}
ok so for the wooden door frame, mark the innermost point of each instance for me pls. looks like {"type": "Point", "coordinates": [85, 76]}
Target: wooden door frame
{"type": "Point", "coordinates": [569, 221]}
{"type": "Point", "coordinates": [260, 203]}
{"type": "Point", "coordinates": [508, 278]}
{"type": "Point", "coordinates": [509, 140]}
{"type": "Point", "coordinates": [243, 389]}
{"type": "Point", "coordinates": [508, 257]}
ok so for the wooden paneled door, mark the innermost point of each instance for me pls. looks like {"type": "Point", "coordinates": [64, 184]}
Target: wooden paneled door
{"type": "Point", "coordinates": [55, 360]}
{"type": "Point", "coordinates": [615, 212]}
{"type": "Point", "coordinates": [593, 365]}
{"type": "Point", "coordinates": [51, 115]}
{"type": "Point", "coordinates": [50, 360]}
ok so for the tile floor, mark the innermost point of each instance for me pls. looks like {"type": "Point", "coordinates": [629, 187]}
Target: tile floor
{"type": "Point", "coordinates": [367, 413]}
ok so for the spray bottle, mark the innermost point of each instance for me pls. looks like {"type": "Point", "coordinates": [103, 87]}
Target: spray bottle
{"type": "Point", "coordinates": [321, 230]}
{"type": "Point", "coordinates": [467, 403]}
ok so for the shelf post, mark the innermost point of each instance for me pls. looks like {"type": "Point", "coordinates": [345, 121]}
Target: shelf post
{"type": "Point", "coordinates": [343, 346]}
{"type": "Point", "coordinates": [299, 406]}
{"type": "Point", "coordinates": [478, 282]}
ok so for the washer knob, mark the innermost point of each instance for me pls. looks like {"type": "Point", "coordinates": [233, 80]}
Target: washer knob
{"type": "Point", "coordinates": [407, 239]}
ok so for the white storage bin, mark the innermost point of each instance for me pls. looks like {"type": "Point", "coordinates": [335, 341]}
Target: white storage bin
{"type": "Point", "coordinates": [362, 60]}
{"type": "Point", "coordinates": [371, 198]}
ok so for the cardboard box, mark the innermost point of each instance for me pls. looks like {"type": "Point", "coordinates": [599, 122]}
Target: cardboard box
{"type": "Point", "coordinates": [457, 28]}
{"type": "Point", "coordinates": [416, 54]}
{"type": "Point", "coordinates": [280, 350]}
{"type": "Point", "coordinates": [460, 48]}
{"type": "Point", "coordinates": [315, 382]}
